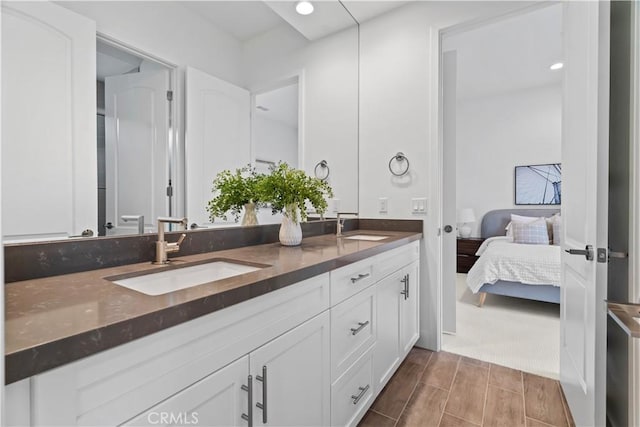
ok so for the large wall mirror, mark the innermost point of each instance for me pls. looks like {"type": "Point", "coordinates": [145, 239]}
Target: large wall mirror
{"type": "Point", "coordinates": [117, 111]}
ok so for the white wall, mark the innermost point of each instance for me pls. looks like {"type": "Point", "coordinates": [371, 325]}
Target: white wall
{"type": "Point", "coordinates": [275, 141]}
{"type": "Point", "coordinates": [168, 31]}
{"type": "Point", "coordinates": [495, 134]}
{"type": "Point", "coordinates": [398, 112]}
{"type": "Point", "coordinates": [328, 70]}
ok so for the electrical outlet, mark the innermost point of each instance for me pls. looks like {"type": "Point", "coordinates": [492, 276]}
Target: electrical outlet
{"type": "Point", "coordinates": [336, 205]}
{"type": "Point", "coordinates": [383, 205]}
{"type": "Point", "coordinates": [419, 206]}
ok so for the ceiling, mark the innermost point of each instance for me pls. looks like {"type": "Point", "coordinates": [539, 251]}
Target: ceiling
{"type": "Point", "coordinates": [245, 20]}
{"type": "Point", "coordinates": [111, 61]}
{"type": "Point", "coordinates": [511, 54]}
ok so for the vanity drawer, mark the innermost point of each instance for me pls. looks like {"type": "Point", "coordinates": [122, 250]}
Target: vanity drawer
{"type": "Point", "coordinates": [350, 280]}
{"type": "Point", "coordinates": [389, 262]}
{"type": "Point", "coordinates": [353, 330]}
{"type": "Point", "coordinates": [352, 394]}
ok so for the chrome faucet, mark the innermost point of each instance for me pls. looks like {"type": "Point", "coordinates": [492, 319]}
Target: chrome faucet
{"type": "Point", "coordinates": [340, 222]}
{"type": "Point", "coordinates": [138, 218]}
{"type": "Point", "coordinates": [163, 247]}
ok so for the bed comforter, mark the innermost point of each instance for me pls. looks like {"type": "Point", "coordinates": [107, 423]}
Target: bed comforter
{"type": "Point", "coordinates": [501, 259]}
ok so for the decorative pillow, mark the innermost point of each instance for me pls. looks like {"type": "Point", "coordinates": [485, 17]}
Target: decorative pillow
{"type": "Point", "coordinates": [532, 233]}
{"type": "Point", "coordinates": [521, 219]}
{"type": "Point", "coordinates": [557, 231]}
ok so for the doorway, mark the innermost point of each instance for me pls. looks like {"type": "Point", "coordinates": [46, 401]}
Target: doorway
{"type": "Point", "coordinates": [502, 103]}
{"type": "Point", "coordinates": [136, 159]}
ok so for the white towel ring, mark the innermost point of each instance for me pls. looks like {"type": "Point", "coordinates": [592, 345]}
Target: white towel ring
{"type": "Point", "coordinates": [323, 165]}
{"type": "Point", "coordinates": [400, 158]}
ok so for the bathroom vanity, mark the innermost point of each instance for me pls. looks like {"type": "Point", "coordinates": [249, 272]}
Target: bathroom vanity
{"type": "Point", "coordinates": [310, 337]}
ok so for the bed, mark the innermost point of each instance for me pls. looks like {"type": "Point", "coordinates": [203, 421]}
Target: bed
{"type": "Point", "coordinates": [510, 269]}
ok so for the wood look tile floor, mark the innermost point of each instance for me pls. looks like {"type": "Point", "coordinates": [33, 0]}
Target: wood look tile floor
{"type": "Point", "coordinates": [448, 390]}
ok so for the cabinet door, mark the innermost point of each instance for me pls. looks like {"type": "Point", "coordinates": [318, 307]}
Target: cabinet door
{"type": "Point", "coordinates": [291, 377]}
{"type": "Point", "coordinates": [386, 355]}
{"type": "Point", "coordinates": [216, 400]}
{"type": "Point", "coordinates": [409, 312]}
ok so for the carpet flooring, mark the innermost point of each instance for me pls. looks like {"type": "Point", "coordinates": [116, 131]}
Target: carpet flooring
{"type": "Point", "coordinates": [511, 332]}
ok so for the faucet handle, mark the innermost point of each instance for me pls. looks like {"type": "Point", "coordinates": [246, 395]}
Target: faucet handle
{"type": "Point", "coordinates": [180, 240]}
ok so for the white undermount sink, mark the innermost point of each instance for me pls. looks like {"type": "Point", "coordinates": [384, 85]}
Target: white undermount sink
{"type": "Point", "coordinates": [370, 237]}
{"type": "Point", "coordinates": [163, 282]}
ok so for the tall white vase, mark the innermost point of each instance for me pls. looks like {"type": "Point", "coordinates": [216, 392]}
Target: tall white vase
{"type": "Point", "coordinates": [290, 229]}
{"type": "Point", "coordinates": [250, 217]}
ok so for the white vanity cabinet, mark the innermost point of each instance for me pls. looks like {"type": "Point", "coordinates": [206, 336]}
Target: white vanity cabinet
{"type": "Point", "coordinates": [216, 400]}
{"type": "Point", "coordinates": [397, 319]}
{"type": "Point", "coordinates": [273, 384]}
{"type": "Point", "coordinates": [291, 377]}
{"type": "Point", "coordinates": [313, 353]}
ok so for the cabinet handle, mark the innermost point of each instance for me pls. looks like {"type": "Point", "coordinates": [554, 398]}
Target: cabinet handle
{"type": "Point", "coordinates": [263, 405]}
{"type": "Point", "coordinates": [357, 398]}
{"type": "Point", "coordinates": [249, 389]}
{"type": "Point", "coordinates": [406, 284]}
{"type": "Point", "coordinates": [361, 326]}
{"type": "Point", "coordinates": [360, 277]}
{"type": "Point", "coordinates": [405, 291]}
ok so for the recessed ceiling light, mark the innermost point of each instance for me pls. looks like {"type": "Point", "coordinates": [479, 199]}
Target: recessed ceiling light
{"type": "Point", "coordinates": [304, 7]}
{"type": "Point", "coordinates": [556, 66]}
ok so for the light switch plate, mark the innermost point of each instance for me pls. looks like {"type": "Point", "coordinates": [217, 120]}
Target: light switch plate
{"type": "Point", "coordinates": [419, 205]}
{"type": "Point", "coordinates": [383, 205]}
{"type": "Point", "coordinates": [335, 208]}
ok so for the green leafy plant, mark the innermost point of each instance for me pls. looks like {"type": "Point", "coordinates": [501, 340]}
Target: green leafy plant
{"type": "Point", "coordinates": [288, 189]}
{"type": "Point", "coordinates": [233, 190]}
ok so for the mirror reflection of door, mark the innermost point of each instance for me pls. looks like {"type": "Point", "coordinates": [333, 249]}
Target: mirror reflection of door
{"type": "Point", "coordinates": [275, 126]}
{"type": "Point", "coordinates": [133, 140]}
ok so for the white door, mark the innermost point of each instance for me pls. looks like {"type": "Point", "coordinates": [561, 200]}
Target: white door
{"type": "Point", "coordinates": [136, 148]}
{"type": "Point", "coordinates": [584, 209]}
{"type": "Point", "coordinates": [449, 297]}
{"type": "Point", "coordinates": [217, 400]}
{"type": "Point", "coordinates": [409, 313]}
{"type": "Point", "coordinates": [49, 153]}
{"type": "Point", "coordinates": [295, 372]}
{"type": "Point", "coordinates": [217, 137]}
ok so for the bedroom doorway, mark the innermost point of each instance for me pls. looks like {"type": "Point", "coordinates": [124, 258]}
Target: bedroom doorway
{"type": "Point", "coordinates": [502, 103]}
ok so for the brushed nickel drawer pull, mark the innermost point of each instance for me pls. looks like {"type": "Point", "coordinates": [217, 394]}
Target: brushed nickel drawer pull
{"type": "Point", "coordinates": [360, 277]}
{"type": "Point", "coordinates": [357, 398]}
{"type": "Point", "coordinates": [361, 326]}
{"type": "Point", "coordinates": [263, 405]}
{"type": "Point", "coordinates": [249, 389]}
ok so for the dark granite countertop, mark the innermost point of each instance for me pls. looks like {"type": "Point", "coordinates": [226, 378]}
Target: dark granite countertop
{"type": "Point", "coordinates": [56, 320]}
{"type": "Point", "coordinates": [627, 316]}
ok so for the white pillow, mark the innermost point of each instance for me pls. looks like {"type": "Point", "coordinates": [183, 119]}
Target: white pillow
{"type": "Point", "coordinates": [531, 233]}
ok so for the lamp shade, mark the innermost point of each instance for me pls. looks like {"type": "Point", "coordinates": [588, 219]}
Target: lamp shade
{"type": "Point", "coordinates": [466, 215]}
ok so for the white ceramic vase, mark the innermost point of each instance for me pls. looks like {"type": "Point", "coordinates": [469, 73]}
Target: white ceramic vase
{"type": "Point", "coordinates": [250, 216]}
{"type": "Point", "coordinates": [290, 229]}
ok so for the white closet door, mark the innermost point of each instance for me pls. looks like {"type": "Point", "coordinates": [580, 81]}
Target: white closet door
{"type": "Point", "coordinates": [49, 166]}
{"type": "Point", "coordinates": [217, 136]}
{"type": "Point", "coordinates": [136, 148]}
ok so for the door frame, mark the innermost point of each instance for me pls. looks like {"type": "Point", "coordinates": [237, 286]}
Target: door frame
{"type": "Point", "coordinates": [634, 226]}
{"type": "Point", "coordinates": [443, 32]}
{"type": "Point", "coordinates": [296, 77]}
{"type": "Point", "coordinates": [175, 149]}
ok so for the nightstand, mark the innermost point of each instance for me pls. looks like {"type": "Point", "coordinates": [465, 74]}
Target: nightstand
{"type": "Point", "coordinates": [466, 253]}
